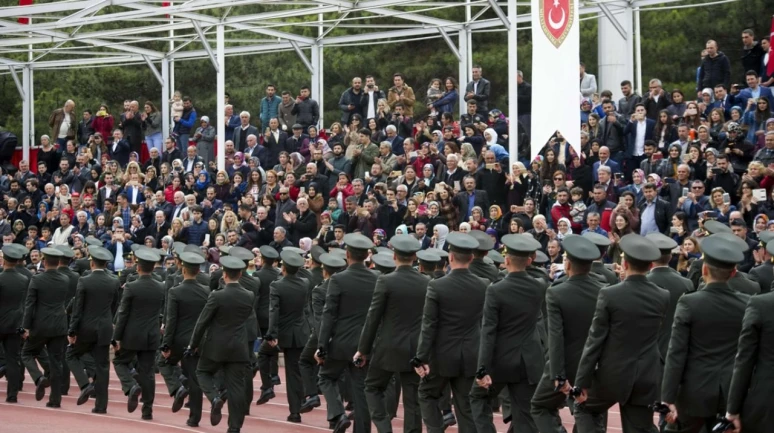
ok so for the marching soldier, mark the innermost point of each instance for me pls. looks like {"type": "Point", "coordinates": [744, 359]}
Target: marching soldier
{"type": "Point", "coordinates": [620, 361]}
{"type": "Point", "coordinates": [510, 353]}
{"type": "Point", "coordinates": [346, 306]}
{"type": "Point", "coordinates": [448, 341]}
{"type": "Point", "coordinates": [707, 323]}
{"type": "Point", "coordinates": [598, 267]}
{"type": "Point", "coordinates": [91, 328]}
{"type": "Point", "coordinates": [266, 275]}
{"type": "Point", "coordinates": [711, 227]}
{"type": "Point", "coordinates": [478, 266]}
{"type": "Point", "coordinates": [13, 288]}
{"type": "Point", "coordinates": [225, 319]}
{"type": "Point", "coordinates": [396, 314]}
{"type": "Point", "coordinates": [764, 273]}
{"type": "Point", "coordinates": [428, 260]}
{"type": "Point", "coordinates": [383, 263]}
{"type": "Point", "coordinates": [288, 327]}
{"type": "Point", "coordinates": [137, 333]}
{"type": "Point", "coordinates": [72, 276]}
{"type": "Point", "coordinates": [45, 325]}
{"type": "Point", "coordinates": [570, 308]}
{"type": "Point", "coordinates": [184, 305]}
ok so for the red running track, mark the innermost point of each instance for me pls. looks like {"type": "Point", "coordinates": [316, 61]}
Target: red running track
{"type": "Point", "coordinates": [32, 416]}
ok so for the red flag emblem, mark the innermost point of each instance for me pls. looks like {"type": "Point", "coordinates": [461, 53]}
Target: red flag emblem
{"type": "Point", "coordinates": [24, 20]}
{"type": "Point", "coordinates": [556, 19]}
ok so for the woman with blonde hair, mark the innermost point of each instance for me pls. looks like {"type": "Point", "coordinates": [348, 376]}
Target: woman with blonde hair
{"type": "Point", "coordinates": [229, 222]}
{"type": "Point", "coordinates": [176, 231]}
{"type": "Point", "coordinates": [132, 168]}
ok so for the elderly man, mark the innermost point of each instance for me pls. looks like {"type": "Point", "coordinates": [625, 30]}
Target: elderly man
{"type": "Point", "coordinates": [63, 123]}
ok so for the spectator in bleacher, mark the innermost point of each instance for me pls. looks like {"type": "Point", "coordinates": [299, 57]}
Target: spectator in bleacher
{"type": "Point", "coordinates": [269, 108]}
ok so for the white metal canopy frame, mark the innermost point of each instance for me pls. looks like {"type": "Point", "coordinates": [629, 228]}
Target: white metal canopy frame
{"type": "Point", "coordinates": [90, 33]}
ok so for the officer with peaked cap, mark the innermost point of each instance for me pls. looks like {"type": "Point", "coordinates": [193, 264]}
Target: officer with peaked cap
{"type": "Point", "coordinates": [383, 263]}
{"type": "Point", "coordinates": [711, 227]}
{"type": "Point", "coordinates": [91, 328]}
{"type": "Point", "coordinates": [224, 319]}
{"type": "Point", "coordinates": [72, 276]}
{"type": "Point", "coordinates": [427, 262]}
{"type": "Point", "coordinates": [570, 306]}
{"type": "Point", "coordinates": [749, 399]}
{"type": "Point", "coordinates": [13, 288]}
{"type": "Point", "coordinates": [510, 353]}
{"type": "Point", "coordinates": [185, 303]}
{"type": "Point", "coordinates": [707, 323]}
{"type": "Point", "coordinates": [478, 266]}
{"type": "Point", "coordinates": [288, 327]}
{"type": "Point", "coordinates": [670, 280]}
{"type": "Point", "coordinates": [45, 326]}
{"type": "Point", "coordinates": [448, 342]}
{"type": "Point", "coordinates": [598, 267]}
{"type": "Point", "coordinates": [265, 276]}
{"type": "Point", "coordinates": [396, 315]}
{"type": "Point", "coordinates": [739, 281]}
{"type": "Point", "coordinates": [764, 273]}
{"type": "Point", "coordinates": [137, 333]}
{"type": "Point", "coordinates": [82, 265]}
{"type": "Point", "coordinates": [346, 306]}
{"type": "Point", "coordinates": [621, 362]}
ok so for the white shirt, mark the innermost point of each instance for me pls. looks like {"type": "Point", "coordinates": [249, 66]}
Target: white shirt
{"type": "Point", "coordinates": [371, 111]}
{"type": "Point", "coordinates": [560, 156]}
{"type": "Point", "coordinates": [639, 141]}
{"type": "Point", "coordinates": [64, 128]}
{"type": "Point", "coordinates": [190, 165]}
{"type": "Point", "coordinates": [118, 263]}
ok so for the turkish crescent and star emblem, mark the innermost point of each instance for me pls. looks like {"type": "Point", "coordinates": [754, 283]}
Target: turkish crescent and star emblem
{"type": "Point", "coordinates": [556, 19]}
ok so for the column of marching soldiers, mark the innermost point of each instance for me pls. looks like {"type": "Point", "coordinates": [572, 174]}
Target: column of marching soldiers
{"type": "Point", "coordinates": [453, 331]}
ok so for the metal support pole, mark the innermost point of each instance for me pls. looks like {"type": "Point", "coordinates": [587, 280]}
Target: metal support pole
{"type": "Point", "coordinates": [18, 83]}
{"type": "Point", "coordinates": [638, 50]}
{"type": "Point", "coordinates": [302, 56]}
{"type": "Point", "coordinates": [464, 79]}
{"type": "Point", "coordinates": [171, 79]}
{"type": "Point", "coordinates": [320, 69]}
{"type": "Point", "coordinates": [513, 111]}
{"type": "Point", "coordinates": [315, 70]}
{"type": "Point", "coordinates": [463, 69]}
{"type": "Point", "coordinates": [220, 95]}
{"type": "Point", "coordinates": [26, 116]}
{"type": "Point", "coordinates": [154, 70]}
{"type": "Point", "coordinates": [165, 108]}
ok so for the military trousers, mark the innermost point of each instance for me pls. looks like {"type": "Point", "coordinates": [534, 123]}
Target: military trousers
{"type": "Point", "coordinates": [377, 384]}
{"type": "Point", "coordinates": [189, 366]}
{"type": "Point", "coordinates": [55, 347]}
{"type": "Point", "coordinates": [11, 345]}
{"type": "Point", "coordinates": [634, 418]}
{"type": "Point", "coordinates": [91, 358]}
{"type": "Point", "coordinates": [693, 424]}
{"type": "Point", "coordinates": [234, 378]}
{"type": "Point", "coordinates": [308, 366]}
{"type": "Point", "coordinates": [330, 374]}
{"type": "Point", "coordinates": [431, 390]}
{"type": "Point", "coordinates": [270, 366]}
{"type": "Point", "coordinates": [520, 394]}
{"type": "Point", "coordinates": [293, 382]}
{"type": "Point", "coordinates": [145, 374]}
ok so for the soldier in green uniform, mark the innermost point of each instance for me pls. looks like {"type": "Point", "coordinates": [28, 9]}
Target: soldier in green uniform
{"type": "Point", "coordinates": [137, 333]}
{"type": "Point", "coordinates": [13, 288]}
{"type": "Point", "coordinates": [185, 303]}
{"type": "Point", "coordinates": [91, 328]}
{"type": "Point", "coordinates": [570, 306]}
{"type": "Point", "coordinates": [265, 276]}
{"type": "Point", "coordinates": [45, 326]}
{"type": "Point", "coordinates": [383, 263]}
{"type": "Point", "coordinates": [598, 267]}
{"type": "Point", "coordinates": [449, 338]}
{"type": "Point", "coordinates": [64, 267]}
{"type": "Point", "coordinates": [288, 328]}
{"type": "Point", "coordinates": [620, 361]}
{"type": "Point", "coordinates": [346, 306]}
{"type": "Point", "coordinates": [82, 265]}
{"type": "Point", "coordinates": [707, 323]}
{"type": "Point", "coordinates": [763, 274]}
{"type": "Point", "coordinates": [478, 266]}
{"type": "Point", "coordinates": [253, 285]}
{"type": "Point", "coordinates": [396, 315]}
{"type": "Point", "coordinates": [427, 262]}
{"type": "Point", "coordinates": [711, 227]}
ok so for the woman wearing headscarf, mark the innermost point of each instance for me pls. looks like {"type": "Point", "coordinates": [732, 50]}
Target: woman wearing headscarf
{"type": "Point", "coordinates": [305, 244]}
{"type": "Point", "coordinates": [440, 231]}
{"type": "Point", "coordinates": [495, 221]}
{"type": "Point", "coordinates": [517, 184]}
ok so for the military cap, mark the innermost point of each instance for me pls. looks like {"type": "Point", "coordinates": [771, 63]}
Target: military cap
{"type": "Point", "coordinates": [639, 248]}
{"type": "Point", "coordinates": [332, 261]}
{"type": "Point", "coordinates": [357, 241]}
{"type": "Point", "coordinates": [733, 239]}
{"type": "Point", "coordinates": [100, 253]}
{"type": "Point", "coordinates": [487, 261]}
{"type": "Point", "coordinates": [178, 247]}
{"type": "Point", "coordinates": [496, 257]}
{"type": "Point", "coordinates": [163, 253]}
{"type": "Point", "coordinates": [51, 252]}
{"type": "Point", "coordinates": [520, 245]}
{"type": "Point", "coordinates": [580, 248]}
{"type": "Point", "coordinates": [485, 242]}
{"type": "Point", "coordinates": [540, 257]}
{"type": "Point", "coordinates": [338, 252]}
{"type": "Point", "coordinates": [462, 242]}
{"type": "Point", "coordinates": [770, 248]}
{"type": "Point", "coordinates": [232, 263]}
{"type": "Point", "coordinates": [224, 249]}
{"type": "Point", "coordinates": [316, 252]}
{"type": "Point", "coordinates": [191, 258]}
{"type": "Point", "coordinates": [714, 227]}
{"type": "Point", "coordinates": [441, 253]}
{"type": "Point", "coordinates": [383, 261]}
{"type": "Point", "coordinates": [92, 241]}
{"type": "Point", "coordinates": [291, 259]}
{"type": "Point", "coordinates": [597, 239]}
{"type": "Point", "coordinates": [20, 249]}
{"type": "Point", "coordinates": [721, 252]}
{"type": "Point", "coordinates": [12, 252]}
{"type": "Point", "coordinates": [663, 242]}
{"type": "Point", "coordinates": [268, 252]}
{"type": "Point", "coordinates": [384, 250]}
{"type": "Point", "coordinates": [766, 236]}
{"type": "Point", "coordinates": [241, 253]}
{"type": "Point", "coordinates": [405, 244]}
{"type": "Point", "coordinates": [136, 246]}
{"type": "Point", "coordinates": [147, 255]}
{"type": "Point", "coordinates": [67, 251]}
{"type": "Point", "coordinates": [296, 250]}
{"type": "Point", "coordinates": [192, 249]}
{"type": "Point", "coordinates": [428, 255]}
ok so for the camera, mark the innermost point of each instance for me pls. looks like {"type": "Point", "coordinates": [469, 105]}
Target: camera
{"type": "Point", "coordinates": [321, 353]}
{"type": "Point", "coordinates": [415, 362]}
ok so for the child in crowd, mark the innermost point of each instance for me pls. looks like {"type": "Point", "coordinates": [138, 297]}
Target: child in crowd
{"type": "Point", "coordinates": [578, 206]}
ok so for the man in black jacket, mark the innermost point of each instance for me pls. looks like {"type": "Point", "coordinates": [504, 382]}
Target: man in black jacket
{"type": "Point", "coordinates": [715, 68]}
{"type": "Point", "coordinates": [655, 213]}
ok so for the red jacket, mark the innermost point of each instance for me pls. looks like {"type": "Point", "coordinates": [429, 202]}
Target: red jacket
{"type": "Point", "coordinates": [559, 211]}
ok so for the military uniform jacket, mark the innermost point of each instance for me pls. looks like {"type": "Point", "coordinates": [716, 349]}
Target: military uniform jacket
{"type": "Point", "coordinates": [44, 308]}
{"type": "Point", "coordinates": [266, 275]}
{"type": "Point", "coordinates": [13, 290]}
{"type": "Point", "coordinates": [701, 353]}
{"type": "Point", "coordinates": [694, 272]}
{"type": "Point", "coordinates": [253, 286]}
{"type": "Point", "coordinates": [138, 324]}
{"type": "Point", "coordinates": [451, 323]}
{"type": "Point", "coordinates": [753, 377]}
{"type": "Point", "coordinates": [224, 320]}
{"type": "Point", "coordinates": [509, 331]}
{"type": "Point", "coordinates": [677, 285]}
{"type": "Point", "coordinates": [601, 269]}
{"type": "Point", "coordinates": [24, 271]}
{"type": "Point", "coordinates": [481, 269]}
{"type": "Point", "coordinates": [742, 284]}
{"type": "Point", "coordinates": [317, 304]}
{"type": "Point", "coordinates": [315, 278]}
{"type": "Point", "coordinates": [124, 275]}
{"type": "Point", "coordinates": [73, 282]}
{"type": "Point", "coordinates": [287, 319]}
{"type": "Point", "coordinates": [95, 304]}
{"type": "Point", "coordinates": [570, 306]}
{"type": "Point", "coordinates": [764, 275]}
{"type": "Point", "coordinates": [185, 303]}
{"type": "Point", "coordinates": [82, 265]}
{"type": "Point", "coordinates": [621, 354]}
{"type": "Point", "coordinates": [396, 314]}
{"type": "Point", "coordinates": [346, 306]}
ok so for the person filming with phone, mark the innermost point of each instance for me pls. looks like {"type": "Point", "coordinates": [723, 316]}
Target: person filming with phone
{"type": "Point", "coordinates": [723, 177]}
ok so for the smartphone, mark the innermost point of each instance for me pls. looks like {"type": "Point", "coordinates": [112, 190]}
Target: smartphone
{"type": "Point", "coordinates": [301, 190]}
{"type": "Point", "coordinates": [490, 166]}
{"type": "Point", "coordinates": [207, 239]}
{"type": "Point", "coordinates": [669, 180]}
{"type": "Point", "coordinates": [618, 175]}
{"type": "Point", "coordinates": [726, 198]}
{"type": "Point", "coordinates": [716, 171]}
{"type": "Point", "coordinates": [658, 156]}
{"type": "Point", "coordinates": [685, 192]}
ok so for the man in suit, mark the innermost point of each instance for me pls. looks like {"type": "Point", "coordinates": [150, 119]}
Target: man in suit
{"type": "Point", "coordinates": [638, 129]}
{"type": "Point", "coordinates": [274, 141]}
{"type": "Point", "coordinates": [570, 309]}
{"type": "Point", "coordinates": [396, 313]}
{"type": "Point", "coordinates": [184, 305]}
{"type": "Point", "coordinates": [655, 213]}
{"type": "Point", "coordinates": [191, 159]}
{"type": "Point", "coordinates": [478, 89]}
{"type": "Point", "coordinates": [764, 273]}
{"type": "Point", "coordinates": [723, 100]}
{"type": "Point", "coordinates": [604, 160]}
{"type": "Point", "coordinates": [470, 198]}
{"type": "Point", "coordinates": [244, 130]}
{"type": "Point", "coordinates": [72, 276]}
{"type": "Point", "coordinates": [288, 327]}
{"type": "Point", "coordinates": [91, 328]}
{"type": "Point", "coordinates": [449, 338]}
{"type": "Point", "coordinates": [108, 191]}
{"type": "Point", "coordinates": [346, 306]}
{"type": "Point", "coordinates": [45, 326]}
{"type": "Point", "coordinates": [13, 287]}
{"type": "Point", "coordinates": [137, 334]}
{"type": "Point", "coordinates": [224, 320]}
{"type": "Point", "coordinates": [119, 149]}
{"type": "Point", "coordinates": [620, 361]}
{"type": "Point", "coordinates": [254, 149]}
{"type": "Point", "coordinates": [510, 352]}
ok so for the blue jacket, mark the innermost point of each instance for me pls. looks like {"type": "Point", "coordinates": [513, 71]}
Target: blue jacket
{"type": "Point", "coordinates": [187, 122]}
{"type": "Point", "coordinates": [614, 167]}
{"type": "Point", "coordinates": [744, 95]}
{"type": "Point", "coordinates": [447, 102]}
{"type": "Point", "coordinates": [269, 109]}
